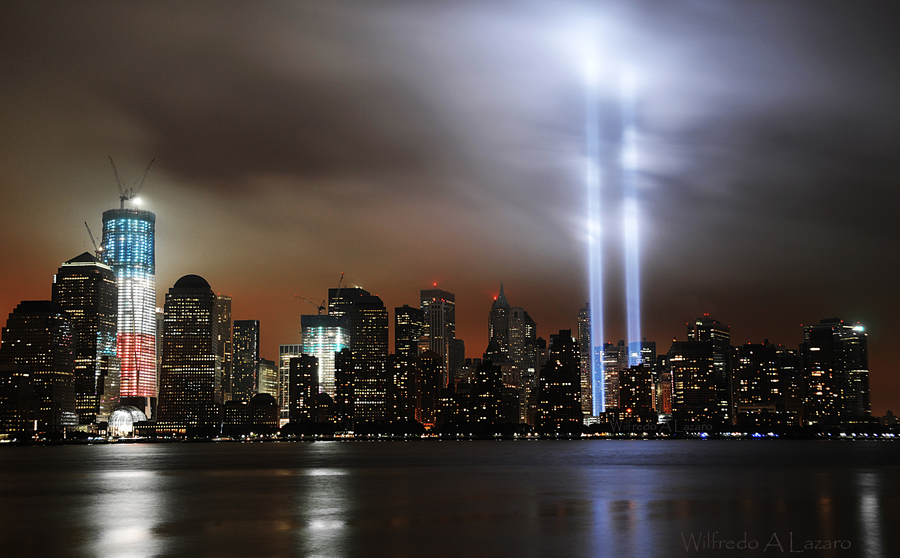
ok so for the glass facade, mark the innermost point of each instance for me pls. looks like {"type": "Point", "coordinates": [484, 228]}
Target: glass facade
{"type": "Point", "coordinates": [86, 289]}
{"type": "Point", "coordinates": [322, 337]}
{"type": "Point", "coordinates": [129, 249]}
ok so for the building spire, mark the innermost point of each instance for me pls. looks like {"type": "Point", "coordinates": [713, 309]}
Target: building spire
{"type": "Point", "coordinates": [501, 298]}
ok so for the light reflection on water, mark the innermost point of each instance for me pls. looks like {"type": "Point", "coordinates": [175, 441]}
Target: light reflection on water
{"type": "Point", "coordinates": [603, 498]}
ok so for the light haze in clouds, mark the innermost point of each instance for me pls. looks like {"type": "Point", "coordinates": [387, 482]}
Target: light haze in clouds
{"type": "Point", "coordinates": [409, 143]}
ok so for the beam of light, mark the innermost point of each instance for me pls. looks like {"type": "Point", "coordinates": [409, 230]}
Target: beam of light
{"type": "Point", "coordinates": [595, 260]}
{"type": "Point", "coordinates": [630, 220]}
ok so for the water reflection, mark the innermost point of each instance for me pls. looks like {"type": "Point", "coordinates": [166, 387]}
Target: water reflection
{"type": "Point", "coordinates": [123, 512]}
{"type": "Point", "coordinates": [870, 517]}
{"type": "Point", "coordinates": [322, 507]}
{"type": "Point", "coordinates": [444, 499]}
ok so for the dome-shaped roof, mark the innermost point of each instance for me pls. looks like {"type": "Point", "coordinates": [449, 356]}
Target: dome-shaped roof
{"type": "Point", "coordinates": [192, 282]}
{"type": "Point", "coordinates": [122, 420]}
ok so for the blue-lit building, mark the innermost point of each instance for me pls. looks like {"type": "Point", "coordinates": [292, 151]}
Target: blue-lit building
{"type": "Point", "coordinates": [323, 336]}
{"type": "Point", "coordinates": [128, 247]}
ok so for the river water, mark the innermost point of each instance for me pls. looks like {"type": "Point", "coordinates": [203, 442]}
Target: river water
{"type": "Point", "coordinates": [438, 498]}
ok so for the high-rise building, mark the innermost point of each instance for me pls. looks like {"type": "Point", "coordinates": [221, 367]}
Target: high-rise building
{"type": "Point", "coordinates": [428, 384]}
{"type": "Point", "coordinates": [323, 336]}
{"type": "Point", "coordinates": [560, 383]}
{"type": "Point", "coordinates": [223, 318]}
{"type": "Point", "coordinates": [766, 386]}
{"type": "Point", "coordinates": [706, 329]}
{"type": "Point", "coordinates": [523, 355]}
{"type": "Point", "coordinates": [191, 391]}
{"type": "Point", "coordinates": [368, 382]}
{"type": "Point", "coordinates": [285, 354]}
{"type": "Point", "coordinates": [304, 374]}
{"type": "Point", "coordinates": [18, 406]}
{"type": "Point", "coordinates": [584, 343]}
{"type": "Point", "coordinates": [86, 289]}
{"type": "Point", "coordinates": [695, 383]}
{"type": "Point", "coordinates": [245, 347]}
{"type": "Point", "coordinates": [129, 249]}
{"type": "Point", "coordinates": [835, 362]}
{"type": "Point", "coordinates": [439, 308]}
{"type": "Point", "coordinates": [636, 389]}
{"type": "Point", "coordinates": [615, 359]}
{"type": "Point", "coordinates": [642, 352]}
{"type": "Point", "coordinates": [498, 322]}
{"type": "Point", "coordinates": [267, 378]}
{"type": "Point", "coordinates": [39, 334]}
{"type": "Point", "coordinates": [409, 327]}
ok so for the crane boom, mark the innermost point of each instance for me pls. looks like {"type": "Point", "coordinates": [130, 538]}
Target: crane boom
{"type": "Point", "coordinates": [130, 193]}
{"type": "Point", "coordinates": [94, 242]}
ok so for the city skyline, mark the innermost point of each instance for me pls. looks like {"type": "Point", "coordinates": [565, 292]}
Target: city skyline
{"type": "Point", "coordinates": [294, 143]}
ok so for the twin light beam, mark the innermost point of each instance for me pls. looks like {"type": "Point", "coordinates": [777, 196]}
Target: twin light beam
{"type": "Point", "coordinates": [628, 169]}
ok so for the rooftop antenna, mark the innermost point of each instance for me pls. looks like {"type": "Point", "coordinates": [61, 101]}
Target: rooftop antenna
{"type": "Point", "coordinates": [130, 193]}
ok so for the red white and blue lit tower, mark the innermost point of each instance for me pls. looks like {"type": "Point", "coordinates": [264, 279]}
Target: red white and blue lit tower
{"type": "Point", "coordinates": [128, 247]}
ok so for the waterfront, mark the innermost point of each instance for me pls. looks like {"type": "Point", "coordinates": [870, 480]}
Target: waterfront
{"type": "Point", "coordinates": [523, 498]}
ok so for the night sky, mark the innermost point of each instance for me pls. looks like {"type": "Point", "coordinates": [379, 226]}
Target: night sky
{"type": "Point", "coordinates": [409, 143]}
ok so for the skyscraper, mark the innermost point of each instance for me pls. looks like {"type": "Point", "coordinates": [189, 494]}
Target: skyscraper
{"type": "Point", "coordinates": [712, 331]}
{"type": "Point", "coordinates": [223, 317]}
{"type": "Point", "coordinates": [191, 393]}
{"type": "Point", "coordinates": [304, 374]}
{"type": "Point", "coordinates": [86, 289]}
{"type": "Point", "coordinates": [323, 336]}
{"type": "Point", "coordinates": [439, 307]}
{"type": "Point", "coordinates": [129, 249]}
{"type": "Point", "coordinates": [285, 354]}
{"type": "Point", "coordinates": [498, 322]}
{"type": "Point", "coordinates": [560, 383]}
{"type": "Point", "coordinates": [367, 377]}
{"type": "Point", "coordinates": [766, 386]}
{"type": "Point", "coordinates": [835, 364]}
{"type": "Point", "coordinates": [267, 378]}
{"type": "Point", "coordinates": [409, 327]}
{"type": "Point", "coordinates": [245, 347]}
{"type": "Point", "coordinates": [584, 342]}
{"type": "Point", "coordinates": [695, 382]}
{"type": "Point", "coordinates": [39, 334]}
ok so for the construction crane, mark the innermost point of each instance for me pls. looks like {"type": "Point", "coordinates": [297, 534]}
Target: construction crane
{"type": "Point", "coordinates": [320, 307]}
{"type": "Point", "coordinates": [130, 193]}
{"type": "Point", "coordinates": [97, 250]}
{"type": "Point", "coordinates": [337, 293]}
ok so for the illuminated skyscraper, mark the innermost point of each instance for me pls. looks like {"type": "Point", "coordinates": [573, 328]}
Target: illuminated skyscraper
{"type": "Point", "coordinates": [766, 386]}
{"type": "Point", "coordinates": [129, 249]}
{"type": "Point", "coordinates": [498, 322]}
{"type": "Point", "coordinates": [191, 392]}
{"type": "Point", "coordinates": [304, 382]}
{"type": "Point", "coordinates": [440, 325]}
{"type": "Point", "coordinates": [836, 373]}
{"type": "Point", "coordinates": [267, 378]}
{"type": "Point", "coordinates": [285, 354]}
{"type": "Point", "coordinates": [245, 367]}
{"type": "Point", "coordinates": [560, 386]}
{"type": "Point", "coordinates": [409, 327]}
{"type": "Point", "coordinates": [86, 289]}
{"type": "Point", "coordinates": [367, 375]}
{"type": "Point", "coordinates": [706, 329]}
{"type": "Point", "coordinates": [584, 342]}
{"type": "Point", "coordinates": [223, 317]}
{"type": "Point", "coordinates": [39, 335]}
{"type": "Point", "coordinates": [323, 336]}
